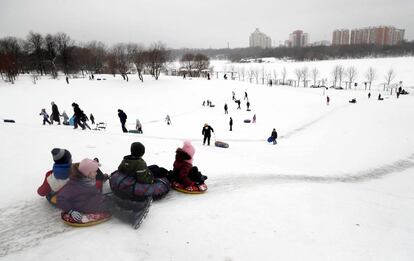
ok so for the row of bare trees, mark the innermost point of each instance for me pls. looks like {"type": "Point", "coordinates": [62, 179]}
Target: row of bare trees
{"type": "Point", "coordinates": [48, 54]}
{"type": "Point", "coordinates": [303, 76]}
{"type": "Point", "coordinates": [194, 64]}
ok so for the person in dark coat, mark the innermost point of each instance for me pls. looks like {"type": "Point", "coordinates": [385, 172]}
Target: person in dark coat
{"type": "Point", "coordinates": [245, 96]}
{"type": "Point", "coordinates": [77, 114]}
{"type": "Point", "coordinates": [122, 117]}
{"type": "Point", "coordinates": [231, 124]}
{"type": "Point", "coordinates": [67, 80]}
{"type": "Point", "coordinates": [134, 165]}
{"type": "Point", "coordinates": [369, 95]}
{"type": "Point", "coordinates": [248, 105]}
{"type": "Point", "coordinates": [226, 109]}
{"type": "Point", "coordinates": [238, 104]}
{"type": "Point", "coordinates": [55, 113]}
{"type": "Point", "coordinates": [274, 136]}
{"type": "Point", "coordinates": [92, 118]}
{"type": "Point", "coordinates": [207, 129]}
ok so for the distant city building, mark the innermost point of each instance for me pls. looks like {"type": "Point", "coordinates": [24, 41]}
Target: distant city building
{"type": "Point", "coordinates": [379, 35]}
{"type": "Point", "coordinates": [298, 39]}
{"type": "Point", "coordinates": [340, 37]}
{"type": "Point", "coordinates": [259, 39]}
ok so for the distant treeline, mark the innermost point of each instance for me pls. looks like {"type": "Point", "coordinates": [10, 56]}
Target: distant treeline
{"type": "Point", "coordinates": [307, 53]}
{"type": "Point", "coordinates": [49, 54]}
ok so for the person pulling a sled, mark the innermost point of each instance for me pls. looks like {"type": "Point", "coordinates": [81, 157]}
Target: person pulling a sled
{"type": "Point", "coordinates": [206, 132]}
{"type": "Point", "coordinates": [274, 136]}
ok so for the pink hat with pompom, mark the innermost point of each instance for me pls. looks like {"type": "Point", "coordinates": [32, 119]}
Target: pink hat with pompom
{"type": "Point", "coordinates": [88, 168]}
{"type": "Point", "coordinates": [189, 149]}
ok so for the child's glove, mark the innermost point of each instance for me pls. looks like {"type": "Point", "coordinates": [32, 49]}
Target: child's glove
{"type": "Point", "coordinates": [77, 216]}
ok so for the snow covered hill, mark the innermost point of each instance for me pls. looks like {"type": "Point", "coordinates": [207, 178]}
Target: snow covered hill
{"type": "Point", "coordinates": [337, 186]}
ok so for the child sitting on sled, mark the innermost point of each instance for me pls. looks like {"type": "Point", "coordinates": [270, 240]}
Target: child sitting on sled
{"type": "Point", "coordinates": [56, 178]}
{"type": "Point", "coordinates": [184, 175]}
{"type": "Point", "coordinates": [80, 197]}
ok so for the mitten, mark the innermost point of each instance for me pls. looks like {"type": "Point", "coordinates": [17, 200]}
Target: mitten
{"type": "Point", "coordinates": [77, 216]}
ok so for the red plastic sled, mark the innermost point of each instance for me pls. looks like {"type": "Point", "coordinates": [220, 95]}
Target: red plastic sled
{"type": "Point", "coordinates": [87, 219]}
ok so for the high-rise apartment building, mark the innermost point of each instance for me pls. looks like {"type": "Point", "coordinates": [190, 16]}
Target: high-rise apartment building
{"type": "Point", "coordinates": [298, 39]}
{"type": "Point", "coordinates": [340, 37]}
{"type": "Point", "coordinates": [259, 39]}
{"type": "Point", "coordinates": [379, 35]}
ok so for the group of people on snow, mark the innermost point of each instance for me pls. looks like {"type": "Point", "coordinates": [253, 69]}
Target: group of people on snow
{"type": "Point", "coordinates": [79, 118]}
{"type": "Point", "coordinates": [76, 188]}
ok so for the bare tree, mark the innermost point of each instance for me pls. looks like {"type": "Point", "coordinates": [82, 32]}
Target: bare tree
{"type": "Point", "coordinates": [64, 49]}
{"type": "Point", "coordinates": [389, 76]}
{"type": "Point", "coordinates": [98, 55]}
{"type": "Point", "coordinates": [370, 76]}
{"type": "Point", "coordinates": [315, 75]}
{"type": "Point", "coordinates": [10, 51]}
{"type": "Point", "coordinates": [187, 61]}
{"type": "Point", "coordinates": [298, 73]}
{"type": "Point", "coordinates": [242, 72]}
{"type": "Point", "coordinates": [351, 74]}
{"type": "Point", "coordinates": [284, 75]}
{"type": "Point", "coordinates": [51, 51]}
{"type": "Point", "coordinates": [305, 75]}
{"type": "Point", "coordinates": [35, 47]}
{"type": "Point", "coordinates": [139, 56]}
{"type": "Point", "coordinates": [337, 74]}
{"type": "Point", "coordinates": [120, 56]}
{"type": "Point", "coordinates": [275, 75]}
{"type": "Point", "coordinates": [157, 57]}
{"type": "Point", "coordinates": [201, 62]}
{"type": "Point", "coordinates": [256, 75]}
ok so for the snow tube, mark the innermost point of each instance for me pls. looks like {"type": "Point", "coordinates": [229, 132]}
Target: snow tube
{"type": "Point", "coordinates": [127, 187]}
{"type": "Point", "coordinates": [270, 139]}
{"type": "Point", "coordinates": [72, 121]}
{"type": "Point", "coordinates": [9, 120]}
{"type": "Point", "coordinates": [221, 144]}
{"type": "Point", "coordinates": [247, 120]}
{"type": "Point", "coordinates": [87, 219]}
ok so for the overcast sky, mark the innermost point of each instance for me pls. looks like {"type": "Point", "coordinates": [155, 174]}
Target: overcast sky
{"type": "Point", "coordinates": [198, 23]}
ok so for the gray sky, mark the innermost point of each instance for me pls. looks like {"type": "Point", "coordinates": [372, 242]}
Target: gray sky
{"type": "Point", "coordinates": [198, 23]}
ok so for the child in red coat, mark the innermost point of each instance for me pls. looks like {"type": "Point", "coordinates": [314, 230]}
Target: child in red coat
{"type": "Point", "coordinates": [184, 174]}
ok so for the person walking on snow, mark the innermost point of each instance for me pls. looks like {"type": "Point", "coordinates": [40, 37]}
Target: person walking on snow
{"type": "Point", "coordinates": [92, 118]}
{"type": "Point", "coordinates": [206, 132]}
{"type": "Point", "coordinates": [231, 124]}
{"type": "Point", "coordinates": [45, 116]}
{"type": "Point", "coordinates": [55, 113]}
{"type": "Point", "coordinates": [234, 95]}
{"type": "Point", "coordinates": [138, 126]}
{"type": "Point", "coordinates": [254, 119]}
{"type": "Point", "coordinates": [168, 119]}
{"type": "Point", "coordinates": [122, 117]}
{"type": "Point", "coordinates": [226, 109]}
{"type": "Point", "coordinates": [248, 105]}
{"type": "Point", "coordinates": [327, 100]}
{"type": "Point", "coordinates": [274, 136]}
{"type": "Point", "coordinates": [245, 96]}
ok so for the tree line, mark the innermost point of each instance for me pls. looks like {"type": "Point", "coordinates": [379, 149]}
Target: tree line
{"type": "Point", "coordinates": [307, 53]}
{"type": "Point", "coordinates": [48, 54]}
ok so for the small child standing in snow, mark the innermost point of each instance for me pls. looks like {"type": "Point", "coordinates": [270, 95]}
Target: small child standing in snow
{"type": "Point", "coordinates": [45, 116]}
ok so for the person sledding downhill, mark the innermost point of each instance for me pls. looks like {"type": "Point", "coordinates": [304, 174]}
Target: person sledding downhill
{"type": "Point", "coordinates": [185, 177]}
{"type": "Point", "coordinates": [135, 181]}
{"type": "Point", "coordinates": [56, 178]}
{"type": "Point", "coordinates": [82, 204]}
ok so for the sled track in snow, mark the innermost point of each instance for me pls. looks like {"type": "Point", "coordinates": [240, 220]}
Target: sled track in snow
{"type": "Point", "coordinates": [235, 182]}
{"type": "Point", "coordinates": [26, 224]}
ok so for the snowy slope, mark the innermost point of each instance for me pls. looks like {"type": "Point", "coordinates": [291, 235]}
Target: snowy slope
{"type": "Point", "coordinates": [338, 186]}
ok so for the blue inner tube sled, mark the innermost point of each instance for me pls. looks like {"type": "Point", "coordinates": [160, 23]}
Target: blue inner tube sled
{"type": "Point", "coordinates": [127, 187]}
